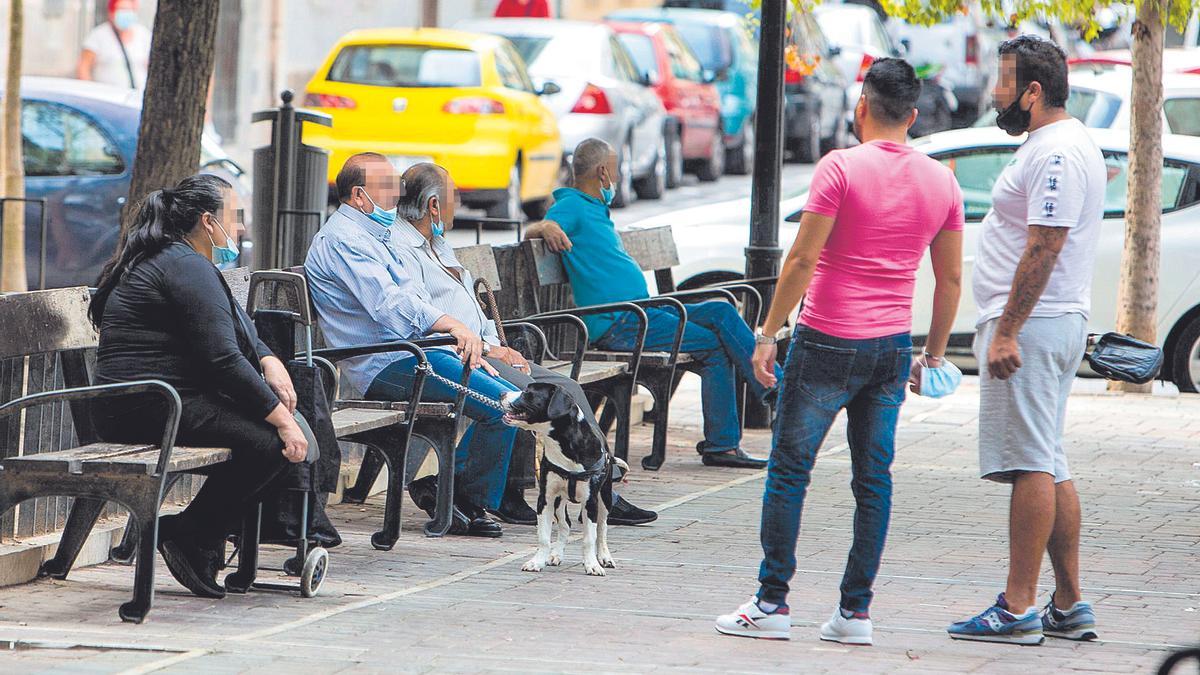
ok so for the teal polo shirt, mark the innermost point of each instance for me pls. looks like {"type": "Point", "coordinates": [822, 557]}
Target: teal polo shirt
{"type": "Point", "coordinates": [600, 270]}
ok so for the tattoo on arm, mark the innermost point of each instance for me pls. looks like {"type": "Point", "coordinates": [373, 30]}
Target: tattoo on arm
{"type": "Point", "coordinates": [1033, 273]}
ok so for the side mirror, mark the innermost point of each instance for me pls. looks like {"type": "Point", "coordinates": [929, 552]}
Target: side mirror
{"type": "Point", "coordinates": [708, 76]}
{"type": "Point", "coordinates": [645, 80]}
{"type": "Point", "coordinates": [835, 50]}
{"type": "Point", "coordinates": [905, 46]}
{"type": "Point", "coordinates": [548, 88]}
{"type": "Point", "coordinates": [723, 74]}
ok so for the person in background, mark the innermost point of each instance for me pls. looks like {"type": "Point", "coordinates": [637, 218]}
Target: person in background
{"type": "Point", "coordinates": [107, 46]}
{"type": "Point", "coordinates": [165, 313]}
{"type": "Point", "coordinates": [601, 272]}
{"type": "Point", "coordinates": [872, 213]}
{"type": "Point", "coordinates": [523, 8]}
{"type": "Point", "coordinates": [1033, 288]}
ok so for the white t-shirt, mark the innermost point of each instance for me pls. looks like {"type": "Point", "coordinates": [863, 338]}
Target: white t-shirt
{"type": "Point", "coordinates": [110, 64]}
{"type": "Point", "coordinates": [1057, 178]}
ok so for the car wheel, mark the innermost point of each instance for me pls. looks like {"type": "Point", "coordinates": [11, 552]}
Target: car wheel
{"type": "Point", "coordinates": [654, 185]}
{"type": "Point", "coordinates": [807, 150]}
{"type": "Point", "coordinates": [624, 196]}
{"type": "Point", "coordinates": [712, 168]}
{"type": "Point", "coordinates": [740, 160]}
{"type": "Point", "coordinates": [837, 140]}
{"type": "Point", "coordinates": [674, 157]}
{"type": "Point", "coordinates": [1185, 358]}
{"type": "Point", "coordinates": [510, 206]}
{"type": "Point", "coordinates": [709, 278]}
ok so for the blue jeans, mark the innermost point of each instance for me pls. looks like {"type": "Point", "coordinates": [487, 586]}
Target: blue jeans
{"type": "Point", "coordinates": [823, 375]}
{"type": "Point", "coordinates": [482, 457]}
{"type": "Point", "coordinates": [719, 339]}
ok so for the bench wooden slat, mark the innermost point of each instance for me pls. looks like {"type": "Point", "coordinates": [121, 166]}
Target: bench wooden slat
{"type": "Point", "coordinates": [349, 421]}
{"type": "Point", "coordinates": [652, 248]}
{"type": "Point", "coordinates": [480, 262]}
{"type": "Point", "coordinates": [110, 458]}
{"type": "Point", "coordinates": [591, 371]}
{"type": "Point", "coordinates": [424, 409]}
{"type": "Point", "coordinates": [648, 358]}
{"type": "Point", "coordinates": [43, 322]}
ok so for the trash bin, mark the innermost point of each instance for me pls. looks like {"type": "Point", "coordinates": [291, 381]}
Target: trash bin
{"type": "Point", "coordinates": [290, 187]}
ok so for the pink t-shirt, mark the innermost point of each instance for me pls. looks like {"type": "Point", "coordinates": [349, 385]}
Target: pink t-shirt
{"type": "Point", "coordinates": [888, 202]}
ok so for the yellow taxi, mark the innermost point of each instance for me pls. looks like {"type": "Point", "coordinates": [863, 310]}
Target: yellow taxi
{"type": "Point", "coordinates": [462, 100]}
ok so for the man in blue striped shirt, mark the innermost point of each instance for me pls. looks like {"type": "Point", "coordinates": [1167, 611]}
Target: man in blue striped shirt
{"type": "Point", "coordinates": [378, 276]}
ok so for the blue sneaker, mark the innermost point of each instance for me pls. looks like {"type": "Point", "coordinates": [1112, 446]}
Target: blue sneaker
{"type": "Point", "coordinates": [997, 624]}
{"type": "Point", "coordinates": [1077, 623]}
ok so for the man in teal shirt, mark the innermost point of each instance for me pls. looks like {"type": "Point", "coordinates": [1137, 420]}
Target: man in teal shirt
{"type": "Point", "coordinates": [602, 272]}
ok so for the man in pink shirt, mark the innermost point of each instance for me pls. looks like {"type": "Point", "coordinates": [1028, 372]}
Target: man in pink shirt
{"type": "Point", "coordinates": [872, 212]}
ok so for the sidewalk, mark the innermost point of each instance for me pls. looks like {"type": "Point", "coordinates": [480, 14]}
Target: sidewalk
{"type": "Point", "coordinates": [464, 605]}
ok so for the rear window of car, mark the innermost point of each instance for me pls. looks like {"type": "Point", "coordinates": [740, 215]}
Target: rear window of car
{"type": "Point", "coordinates": [406, 66]}
{"type": "Point", "coordinates": [529, 47]}
{"type": "Point", "coordinates": [710, 44]}
{"type": "Point", "coordinates": [641, 48]}
{"type": "Point", "coordinates": [1093, 108]}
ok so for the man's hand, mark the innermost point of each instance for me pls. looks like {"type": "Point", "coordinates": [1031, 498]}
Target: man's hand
{"type": "Point", "coordinates": [280, 382]}
{"type": "Point", "coordinates": [556, 240]}
{"type": "Point", "coordinates": [764, 364]}
{"type": "Point", "coordinates": [511, 357]}
{"type": "Point", "coordinates": [1003, 357]}
{"type": "Point", "coordinates": [470, 348]}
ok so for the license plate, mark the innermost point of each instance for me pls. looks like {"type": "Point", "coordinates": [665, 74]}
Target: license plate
{"type": "Point", "coordinates": [402, 162]}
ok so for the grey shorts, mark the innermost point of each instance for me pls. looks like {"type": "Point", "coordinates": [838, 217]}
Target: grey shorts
{"type": "Point", "coordinates": [1021, 419]}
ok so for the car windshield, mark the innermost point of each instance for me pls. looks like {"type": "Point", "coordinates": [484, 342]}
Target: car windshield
{"type": "Point", "coordinates": [406, 66]}
{"type": "Point", "coordinates": [1093, 108]}
{"type": "Point", "coordinates": [641, 48]}
{"type": "Point", "coordinates": [842, 29]}
{"type": "Point", "coordinates": [529, 47]}
{"type": "Point", "coordinates": [709, 44]}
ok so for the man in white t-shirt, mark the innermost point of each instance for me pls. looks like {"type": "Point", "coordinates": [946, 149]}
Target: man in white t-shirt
{"type": "Point", "coordinates": [104, 61]}
{"type": "Point", "coordinates": [1033, 284]}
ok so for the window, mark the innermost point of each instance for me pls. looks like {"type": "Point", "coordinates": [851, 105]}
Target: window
{"type": "Point", "coordinates": [511, 70]}
{"type": "Point", "coordinates": [683, 62]}
{"type": "Point", "coordinates": [710, 45]}
{"type": "Point", "coordinates": [622, 62]}
{"type": "Point", "coordinates": [406, 66]}
{"type": "Point", "coordinates": [1093, 108]}
{"type": "Point", "coordinates": [1174, 181]}
{"type": "Point", "coordinates": [977, 171]}
{"type": "Point", "coordinates": [641, 48]}
{"type": "Point", "coordinates": [60, 141]}
{"type": "Point", "coordinates": [1183, 115]}
{"type": "Point", "coordinates": [529, 47]}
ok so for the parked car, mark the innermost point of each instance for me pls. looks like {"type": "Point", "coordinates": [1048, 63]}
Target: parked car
{"type": "Point", "coordinates": [79, 140]}
{"type": "Point", "coordinates": [724, 42]}
{"type": "Point", "coordinates": [667, 64]}
{"type": "Point", "coordinates": [966, 51]}
{"type": "Point", "coordinates": [815, 102]}
{"type": "Point", "coordinates": [601, 95]}
{"type": "Point", "coordinates": [462, 100]}
{"type": "Point", "coordinates": [710, 240]}
{"type": "Point", "coordinates": [1101, 99]}
{"type": "Point", "coordinates": [1174, 61]}
{"type": "Point", "coordinates": [859, 37]}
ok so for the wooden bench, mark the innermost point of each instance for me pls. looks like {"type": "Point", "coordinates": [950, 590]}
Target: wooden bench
{"type": "Point", "coordinates": [54, 324]}
{"type": "Point", "coordinates": [543, 287]}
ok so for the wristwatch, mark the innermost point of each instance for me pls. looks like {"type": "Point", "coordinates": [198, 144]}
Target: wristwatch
{"type": "Point", "coordinates": [485, 349]}
{"type": "Point", "coordinates": [761, 339]}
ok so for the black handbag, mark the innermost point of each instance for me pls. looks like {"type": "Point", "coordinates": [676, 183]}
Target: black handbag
{"type": "Point", "coordinates": [1125, 358]}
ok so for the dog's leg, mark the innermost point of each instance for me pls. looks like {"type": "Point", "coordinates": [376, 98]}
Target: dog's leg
{"type": "Point", "coordinates": [564, 530]}
{"type": "Point", "coordinates": [545, 516]}
{"type": "Point", "coordinates": [591, 511]}
{"type": "Point", "coordinates": [602, 509]}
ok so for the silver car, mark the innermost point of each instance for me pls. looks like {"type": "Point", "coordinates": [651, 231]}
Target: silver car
{"type": "Point", "coordinates": [601, 95]}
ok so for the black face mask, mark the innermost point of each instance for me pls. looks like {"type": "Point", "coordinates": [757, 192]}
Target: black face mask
{"type": "Point", "coordinates": [1013, 120]}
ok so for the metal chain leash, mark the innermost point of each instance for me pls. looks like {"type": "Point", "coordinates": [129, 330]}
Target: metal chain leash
{"type": "Point", "coordinates": [470, 393]}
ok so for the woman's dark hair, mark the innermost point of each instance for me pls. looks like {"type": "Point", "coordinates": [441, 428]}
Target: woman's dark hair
{"type": "Point", "coordinates": [164, 217]}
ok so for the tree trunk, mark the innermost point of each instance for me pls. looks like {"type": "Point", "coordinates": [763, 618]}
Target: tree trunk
{"type": "Point", "coordinates": [12, 266]}
{"type": "Point", "coordinates": [181, 65]}
{"type": "Point", "coordinates": [1137, 300]}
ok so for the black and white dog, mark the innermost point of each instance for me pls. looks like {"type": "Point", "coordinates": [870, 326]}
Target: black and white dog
{"type": "Point", "coordinates": [576, 468]}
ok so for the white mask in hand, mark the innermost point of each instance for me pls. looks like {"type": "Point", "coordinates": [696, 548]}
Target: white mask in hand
{"type": "Point", "coordinates": [941, 381]}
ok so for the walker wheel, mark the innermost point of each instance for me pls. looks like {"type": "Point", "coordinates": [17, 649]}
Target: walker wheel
{"type": "Point", "coordinates": [315, 567]}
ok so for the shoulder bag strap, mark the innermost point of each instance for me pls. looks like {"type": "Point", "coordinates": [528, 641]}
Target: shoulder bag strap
{"type": "Point", "coordinates": [124, 54]}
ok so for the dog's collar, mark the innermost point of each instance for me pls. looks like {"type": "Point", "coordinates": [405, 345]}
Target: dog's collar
{"type": "Point", "coordinates": [592, 474]}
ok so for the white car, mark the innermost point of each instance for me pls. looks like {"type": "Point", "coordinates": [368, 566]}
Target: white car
{"type": "Point", "coordinates": [859, 37]}
{"type": "Point", "coordinates": [712, 239]}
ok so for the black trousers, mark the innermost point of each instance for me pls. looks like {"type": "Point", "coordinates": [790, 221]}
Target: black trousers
{"type": "Point", "coordinates": [230, 488]}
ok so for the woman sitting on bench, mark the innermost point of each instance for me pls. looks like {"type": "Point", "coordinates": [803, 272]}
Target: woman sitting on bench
{"type": "Point", "coordinates": [164, 312]}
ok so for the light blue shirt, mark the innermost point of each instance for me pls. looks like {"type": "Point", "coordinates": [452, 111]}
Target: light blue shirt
{"type": "Point", "coordinates": [371, 283]}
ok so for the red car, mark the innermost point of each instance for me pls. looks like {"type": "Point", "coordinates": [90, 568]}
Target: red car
{"type": "Point", "coordinates": [669, 66]}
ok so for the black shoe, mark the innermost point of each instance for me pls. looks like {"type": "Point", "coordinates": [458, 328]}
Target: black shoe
{"type": "Point", "coordinates": [736, 458]}
{"type": "Point", "coordinates": [513, 509]}
{"type": "Point", "coordinates": [624, 513]}
{"type": "Point", "coordinates": [192, 567]}
{"type": "Point", "coordinates": [424, 494]}
{"type": "Point", "coordinates": [472, 525]}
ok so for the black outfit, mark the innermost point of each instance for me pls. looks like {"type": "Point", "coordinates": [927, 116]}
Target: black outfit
{"type": "Point", "coordinates": [172, 318]}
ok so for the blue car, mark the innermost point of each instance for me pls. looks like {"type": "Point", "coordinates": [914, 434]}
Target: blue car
{"type": "Point", "coordinates": [79, 140]}
{"type": "Point", "coordinates": [725, 45]}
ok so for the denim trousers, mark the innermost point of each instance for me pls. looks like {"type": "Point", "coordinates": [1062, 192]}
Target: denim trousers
{"type": "Point", "coordinates": [822, 375]}
{"type": "Point", "coordinates": [483, 454]}
{"type": "Point", "coordinates": [718, 338]}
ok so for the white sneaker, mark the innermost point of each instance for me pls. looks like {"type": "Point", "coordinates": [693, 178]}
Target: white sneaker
{"type": "Point", "coordinates": [750, 621]}
{"type": "Point", "coordinates": [846, 631]}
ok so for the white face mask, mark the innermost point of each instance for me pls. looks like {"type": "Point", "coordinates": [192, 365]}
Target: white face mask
{"type": "Point", "coordinates": [941, 381]}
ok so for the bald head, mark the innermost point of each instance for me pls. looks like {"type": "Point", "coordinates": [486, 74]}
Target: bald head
{"type": "Point", "coordinates": [590, 155]}
{"type": "Point", "coordinates": [356, 172]}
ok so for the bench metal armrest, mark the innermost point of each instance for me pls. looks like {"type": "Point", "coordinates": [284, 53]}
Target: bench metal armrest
{"type": "Point", "coordinates": [174, 406]}
{"type": "Point", "coordinates": [581, 337]}
{"type": "Point", "coordinates": [414, 347]}
{"type": "Point", "coordinates": [730, 291]}
{"type": "Point", "coordinates": [529, 327]}
{"type": "Point", "coordinates": [613, 308]}
{"type": "Point", "coordinates": [681, 311]}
